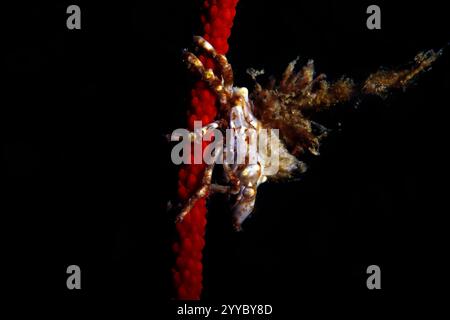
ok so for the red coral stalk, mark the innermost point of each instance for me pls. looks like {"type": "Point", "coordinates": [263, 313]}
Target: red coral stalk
{"type": "Point", "coordinates": [217, 20]}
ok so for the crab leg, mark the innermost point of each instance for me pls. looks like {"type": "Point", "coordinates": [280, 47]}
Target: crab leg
{"type": "Point", "coordinates": [225, 68]}
{"type": "Point", "coordinates": [202, 191]}
{"type": "Point", "coordinates": [208, 76]}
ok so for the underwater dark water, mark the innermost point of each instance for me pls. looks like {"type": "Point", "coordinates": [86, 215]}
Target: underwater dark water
{"type": "Point", "coordinates": [86, 171]}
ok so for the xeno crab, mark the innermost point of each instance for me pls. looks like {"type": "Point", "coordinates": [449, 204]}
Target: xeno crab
{"type": "Point", "coordinates": [288, 105]}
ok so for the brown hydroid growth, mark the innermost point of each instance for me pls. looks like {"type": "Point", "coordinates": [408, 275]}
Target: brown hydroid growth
{"type": "Point", "coordinates": [291, 103]}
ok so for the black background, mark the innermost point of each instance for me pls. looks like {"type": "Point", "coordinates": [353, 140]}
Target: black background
{"type": "Point", "coordinates": [86, 172]}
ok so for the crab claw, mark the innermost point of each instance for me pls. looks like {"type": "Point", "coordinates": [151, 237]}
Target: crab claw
{"type": "Point", "coordinates": [244, 206]}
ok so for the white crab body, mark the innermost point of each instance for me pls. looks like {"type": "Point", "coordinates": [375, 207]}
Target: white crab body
{"type": "Point", "coordinates": [251, 172]}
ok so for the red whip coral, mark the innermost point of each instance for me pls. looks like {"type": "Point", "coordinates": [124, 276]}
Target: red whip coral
{"type": "Point", "coordinates": [217, 20]}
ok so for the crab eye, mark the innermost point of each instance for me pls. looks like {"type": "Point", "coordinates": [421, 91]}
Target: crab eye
{"type": "Point", "coordinates": [249, 192]}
